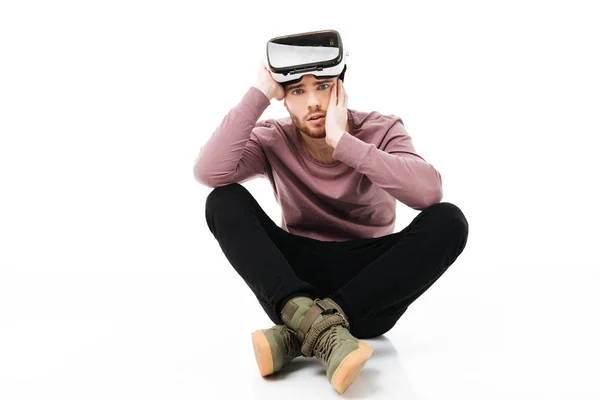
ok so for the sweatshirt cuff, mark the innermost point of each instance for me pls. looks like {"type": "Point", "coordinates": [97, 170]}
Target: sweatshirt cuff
{"type": "Point", "coordinates": [350, 150]}
{"type": "Point", "coordinates": [254, 102]}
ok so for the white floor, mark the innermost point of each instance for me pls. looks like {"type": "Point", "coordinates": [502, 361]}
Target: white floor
{"type": "Point", "coordinates": [156, 335]}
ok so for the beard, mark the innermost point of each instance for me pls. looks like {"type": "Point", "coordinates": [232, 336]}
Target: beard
{"type": "Point", "coordinates": [310, 130]}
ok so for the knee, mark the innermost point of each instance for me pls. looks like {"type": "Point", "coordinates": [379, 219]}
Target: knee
{"type": "Point", "coordinates": [222, 195]}
{"type": "Point", "coordinates": [226, 202]}
{"type": "Point", "coordinates": [449, 216]}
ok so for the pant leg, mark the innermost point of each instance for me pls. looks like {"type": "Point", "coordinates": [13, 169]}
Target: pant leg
{"type": "Point", "coordinates": [381, 321]}
{"type": "Point", "coordinates": [259, 250]}
{"type": "Point", "coordinates": [381, 292]}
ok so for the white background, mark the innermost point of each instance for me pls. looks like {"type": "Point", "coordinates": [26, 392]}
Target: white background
{"type": "Point", "coordinates": [112, 286]}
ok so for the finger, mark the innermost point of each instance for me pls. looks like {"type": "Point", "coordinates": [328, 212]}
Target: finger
{"type": "Point", "coordinates": [343, 95]}
{"type": "Point", "coordinates": [339, 92]}
{"type": "Point", "coordinates": [332, 99]}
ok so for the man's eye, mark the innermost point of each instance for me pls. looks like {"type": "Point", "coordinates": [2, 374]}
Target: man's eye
{"type": "Point", "coordinates": [320, 86]}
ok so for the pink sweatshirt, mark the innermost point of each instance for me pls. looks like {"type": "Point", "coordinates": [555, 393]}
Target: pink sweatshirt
{"type": "Point", "coordinates": [351, 199]}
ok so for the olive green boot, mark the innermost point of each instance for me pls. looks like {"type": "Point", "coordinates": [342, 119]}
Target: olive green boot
{"type": "Point", "coordinates": [274, 348]}
{"type": "Point", "coordinates": [343, 356]}
{"type": "Point", "coordinates": [322, 331]}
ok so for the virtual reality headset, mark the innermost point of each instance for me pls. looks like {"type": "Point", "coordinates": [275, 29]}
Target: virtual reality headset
{"type": "Point", "coordinates": [318, 53]}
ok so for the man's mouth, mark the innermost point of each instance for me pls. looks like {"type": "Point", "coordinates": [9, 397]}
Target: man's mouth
{"type": "Point", "coordinates": [317, 118]}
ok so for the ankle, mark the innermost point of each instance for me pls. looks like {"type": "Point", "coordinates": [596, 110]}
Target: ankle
{"type": "Point", "coordinates": [309, 318]}
{"type": "Point", "coordinates": [294, 310]}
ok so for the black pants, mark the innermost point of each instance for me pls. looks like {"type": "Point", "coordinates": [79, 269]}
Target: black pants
{"type": "Point", "coordinates": [373, 280]}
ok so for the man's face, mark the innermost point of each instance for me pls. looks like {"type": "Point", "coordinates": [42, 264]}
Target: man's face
{"type": "Point", "coordinates": [306, 98]}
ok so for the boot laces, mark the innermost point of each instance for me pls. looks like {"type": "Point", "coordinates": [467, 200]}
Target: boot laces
{"type": "Point", "coordinates": [292, 348]}
{"type": "Point", "coordinates": [326, 344]}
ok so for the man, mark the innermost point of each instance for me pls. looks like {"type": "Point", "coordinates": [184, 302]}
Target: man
{"type": "Point", "coordinates": [337, 174]}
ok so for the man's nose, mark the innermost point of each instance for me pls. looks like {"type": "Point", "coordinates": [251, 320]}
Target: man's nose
{"type": "Point", "coordinates": [313, 100]}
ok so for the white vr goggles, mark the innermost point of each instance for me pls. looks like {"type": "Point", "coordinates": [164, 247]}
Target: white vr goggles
{"type": "Point", "coordinates": [318, 53]}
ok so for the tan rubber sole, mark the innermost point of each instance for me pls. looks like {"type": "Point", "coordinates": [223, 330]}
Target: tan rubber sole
{"type": "Point", "coordinates": [262, 352]}
{"type": "Point", "coordinates": [350, 367]}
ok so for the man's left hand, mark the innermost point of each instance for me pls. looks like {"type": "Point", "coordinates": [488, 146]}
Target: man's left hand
{"type": "Point", "coordinates": [337, 114]}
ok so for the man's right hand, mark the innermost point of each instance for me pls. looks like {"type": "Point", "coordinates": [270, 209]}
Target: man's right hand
{"type": "Point", "coordinates": [266, 84]}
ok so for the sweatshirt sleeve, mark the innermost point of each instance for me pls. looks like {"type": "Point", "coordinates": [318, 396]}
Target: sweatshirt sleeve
{"type": "Point", "coordinates": [233, 153]}
{"type": "Point", "coordinates": [396, 168]}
